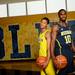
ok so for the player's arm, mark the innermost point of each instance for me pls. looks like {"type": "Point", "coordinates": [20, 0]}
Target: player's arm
{"type": "Point", "coordinates": [48, 37]}
{"type": "Point", "coordinates": [54, 34]}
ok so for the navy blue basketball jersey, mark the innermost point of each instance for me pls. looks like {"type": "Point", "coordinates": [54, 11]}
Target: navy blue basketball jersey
{"type": "Point", "coordinates": [62, 46]}
{"type": "Point", "coordinates": [64, 36]}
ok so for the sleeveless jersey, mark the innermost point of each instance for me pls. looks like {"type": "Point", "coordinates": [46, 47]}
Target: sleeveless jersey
{"type": "Point", "coordinates": [64, 37]}
{"type": "Point", "coordinates": [43, 43]}
{"type": "Point", "coordinates": [43, 52]}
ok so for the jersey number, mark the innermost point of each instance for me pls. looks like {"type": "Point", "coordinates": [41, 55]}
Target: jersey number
{"type": "Point", "coordinates": [67, 39]}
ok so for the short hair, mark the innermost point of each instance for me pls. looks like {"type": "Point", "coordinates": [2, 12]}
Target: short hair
{"type": "Point", "coordinates": [61, 10]}
{"type": "Point", "coordinates": [45, 18]}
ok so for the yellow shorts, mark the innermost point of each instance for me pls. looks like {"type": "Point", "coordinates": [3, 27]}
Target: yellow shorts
{"type": "Point", "coordinates": [49, 69]}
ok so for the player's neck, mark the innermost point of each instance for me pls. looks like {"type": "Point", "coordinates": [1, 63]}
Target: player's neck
{"type": "Point", "coordinates": [43, 29]}
{"type": "Point", "coordinates": [63, 23]}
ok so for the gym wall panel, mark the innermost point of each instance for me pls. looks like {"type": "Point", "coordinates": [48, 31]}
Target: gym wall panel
{"type": "Point", "coordinates": [27, 45]}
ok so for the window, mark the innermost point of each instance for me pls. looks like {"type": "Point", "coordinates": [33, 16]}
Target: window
{"type": "Point", "coordinates": [16, 9]}
{"type": "Point", "coordinates": [3, 10]}
{"type": "Point", "coordinates": [36, 7]}
{"type": "Point", "coordinates": [55, 5]}
{"type": "Point", "coordinates": [71, 5]}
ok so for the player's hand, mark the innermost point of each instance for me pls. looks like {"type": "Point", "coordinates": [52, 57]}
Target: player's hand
{"type": "Point", "coordinates": [44, 65]}
{"type": "Point", "coordinates": [54, 60]}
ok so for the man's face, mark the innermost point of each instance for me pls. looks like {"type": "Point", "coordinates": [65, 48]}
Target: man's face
{"type": "Point", "coordinates": [43, 24]}
{"type": "Point", "coordinates": [62, 16]}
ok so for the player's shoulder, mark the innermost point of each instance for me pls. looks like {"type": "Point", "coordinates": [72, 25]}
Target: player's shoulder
{"type": "Point", "coordinates": [55, 28]}
{"type": "Point", "coordinates": [48, 32]}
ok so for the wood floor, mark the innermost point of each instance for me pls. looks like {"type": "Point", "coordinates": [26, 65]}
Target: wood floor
{"type": "Point", "coordinates": [21, 68]}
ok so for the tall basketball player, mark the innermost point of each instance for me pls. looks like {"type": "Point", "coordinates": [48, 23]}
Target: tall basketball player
{"type": "Point", "coordinates": [62, 33]}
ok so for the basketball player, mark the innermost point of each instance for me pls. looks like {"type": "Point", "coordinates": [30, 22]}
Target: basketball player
{"type": "Point", "coordinates": [62, 38]}
{"type": "Point", "coordinates": [45, 41]}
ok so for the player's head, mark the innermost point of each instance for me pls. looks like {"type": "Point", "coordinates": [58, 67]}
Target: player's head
{"type": "Point", "coordinates": [44, 22]}
{"type": "Point", "coordinates": [62, 13]}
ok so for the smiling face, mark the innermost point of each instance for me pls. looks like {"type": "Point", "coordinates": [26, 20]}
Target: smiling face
{"type": "Point", "coordinates": [62, 15]}
{"type": "Point", "coordinates": [43, 24]}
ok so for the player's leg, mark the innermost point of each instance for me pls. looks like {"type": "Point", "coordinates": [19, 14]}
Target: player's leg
{"type": "Point", "coordinates": [49, 69]}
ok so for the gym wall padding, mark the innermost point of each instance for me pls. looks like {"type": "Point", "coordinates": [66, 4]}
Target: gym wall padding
{"type": "Point", "coordinates": [27, 36]}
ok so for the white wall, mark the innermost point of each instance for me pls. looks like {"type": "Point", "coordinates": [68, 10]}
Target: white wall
{"type": "Point", "coordinates": [35, 7]}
